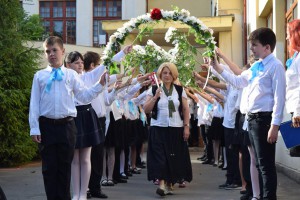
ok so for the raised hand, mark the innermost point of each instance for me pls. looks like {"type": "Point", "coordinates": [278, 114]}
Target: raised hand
{"type": "Point", "coordinates": [127, 49]}
{"type": "Point", "coordinates": [104, 78]}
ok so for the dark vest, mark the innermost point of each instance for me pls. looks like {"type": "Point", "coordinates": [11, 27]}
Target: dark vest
{"type": "Point", "coordinates": [179, 90]}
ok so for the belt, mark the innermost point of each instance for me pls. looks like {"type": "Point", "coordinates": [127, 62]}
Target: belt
{"type": "Point", "coordinates": [83, 107]}
{"type": "Point", "coordinates": [259, 114]}
{"type": "Point", "coordinates": [55, 121]}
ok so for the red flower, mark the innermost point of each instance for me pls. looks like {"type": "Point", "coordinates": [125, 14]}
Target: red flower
{"type": "Point", "coordinates": [156, 14]}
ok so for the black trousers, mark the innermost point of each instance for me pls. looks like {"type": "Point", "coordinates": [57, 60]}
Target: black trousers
{"type": "Point", "coordinates": [194, 136]}
{"type": "Point", "coordinates": [232, 155]}
{"type": "Point", "coordinates": [259, 125]}
{"type": "Point", "coordinates": [57, 151]}
{"type": "Point", "coordinates": [97, 155]}
{"type": "Point", "coordinates": [204, 138]}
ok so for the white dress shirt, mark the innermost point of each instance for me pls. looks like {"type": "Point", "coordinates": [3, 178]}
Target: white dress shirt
{"type": "Point", "coordinates": [59, 101]}
{"type": "Point", "coordinates": [266, 91]}
{"type": "Point", "coordinates": [218, 109]}
{"type": "Point", "coordinates": [163, 119]}
{"type": "Point", "coordinates": [118, 106]}
{"type": "Point", "coordinates": [293, 87]}
{"type": "Point", "coordinates": [229, 106]}
{"type": "Point", "coordinates": [201, 106]}
{"type": "Point", "coordinates": [141, 99]}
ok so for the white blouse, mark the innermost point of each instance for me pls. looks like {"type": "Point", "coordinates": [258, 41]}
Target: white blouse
{"type": "Point", "coordinates": [293, 87]}
{"type": "Point", "coordinates": [163, 119]}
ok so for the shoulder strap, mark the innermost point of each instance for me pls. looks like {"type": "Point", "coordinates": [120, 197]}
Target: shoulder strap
{"type": "Point", "coordinates": [179, 90]}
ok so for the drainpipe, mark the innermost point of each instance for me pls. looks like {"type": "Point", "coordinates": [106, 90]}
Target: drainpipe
{"type": "Point", "coordinates": [146, 6]}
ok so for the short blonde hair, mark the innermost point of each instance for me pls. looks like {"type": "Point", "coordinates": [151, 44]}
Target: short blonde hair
{"type": "Point", "coordinates": [171, 66]}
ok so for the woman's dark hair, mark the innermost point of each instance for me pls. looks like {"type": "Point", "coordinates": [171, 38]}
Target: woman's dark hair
{"type": "Point", "coordinates": [72, 57]}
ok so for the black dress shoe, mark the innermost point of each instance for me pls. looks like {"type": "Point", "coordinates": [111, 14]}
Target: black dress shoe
{"type": "Point", "coordinates": [88, 195]}
{"type": "Point", "coordinates": [246, 197]}
{"type": "Point", "coordinates": [121, 180]}
{"type": "Point", "coordinates": [98, 194]}
{"type": "Point", "coordinates": [123, 176]}
{"type": "Point", "coordinates": [210, 162]}
{"type": "Point", "coordinates": [203, 159]}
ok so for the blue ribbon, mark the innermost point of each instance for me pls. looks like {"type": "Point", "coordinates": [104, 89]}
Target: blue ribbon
{"type": "Point", "coordinates": [56, 75]}
{"type": "Point", "coordinates": [209, 107]}
{"type": "Point", "coordinates": [118, 104]}
{"type": "Point", "coordinates": [256, 68]}
{"type": "Point", "coordinates": [143, 118]}
{"type": "Point", "coordinates": [289, 61]}
{"type": "Point", "coordinates": [131, 107]}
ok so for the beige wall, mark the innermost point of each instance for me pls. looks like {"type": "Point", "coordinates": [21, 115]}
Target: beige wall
{"type": "Point", "coordinates": [232, 43]}
{"type": "Point", "coordinates": [197, 8]}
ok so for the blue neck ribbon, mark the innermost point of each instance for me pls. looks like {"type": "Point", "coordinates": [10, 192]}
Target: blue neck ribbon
{"type": "Point", "coordinates": [118, 104]}
{"type": "Point", "coordinates": [256, 68]}
{"type": "Point", "coordinates": [56, 75]}
{"type": "Point", "coordinates": [131, 107]}
{"type": "Point", "coordinates": [209, 107]}
{"type": "Point", "coordinates": [289, 61]}
{"type": "Point", "coordinates": [143, 118]}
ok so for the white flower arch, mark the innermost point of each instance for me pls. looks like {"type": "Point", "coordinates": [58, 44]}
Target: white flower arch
{"type": "Point", "coordinates": [203, 35]}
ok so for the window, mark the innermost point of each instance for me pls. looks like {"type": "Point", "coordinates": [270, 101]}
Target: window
{"type": "Point", "coordinates": [59, 19]}
{"type": "Point", "coordinates": [57, 9]}
{"type": "Point", "coordinates": [108, 8]}
{"type": "Point", "coordinates": [71, 9]}
{"type": "Point", "coordinates": [114, 8]}
{"type": "Point", "coordinates": [104, 10]}
{"type": "Point", "coordinates": [44, 9]}
{"type": "Point", "coordinates": [100, 8]}
{"type": "Point", "coordinates": [99, 35]}
{"type": "Point", "coordinates": [71, 32]}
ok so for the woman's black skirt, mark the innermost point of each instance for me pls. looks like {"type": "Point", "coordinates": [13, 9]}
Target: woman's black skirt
{"type": "Point", "coordinates": [168, 155]}
{"type": "Point", "coordinates": [216, 129]}
{"type": "Point", "coordinates": [115, 136]}
{"type": "Point", "coordinates": [87, 125]}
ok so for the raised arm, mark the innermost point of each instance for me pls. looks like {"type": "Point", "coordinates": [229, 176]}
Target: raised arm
{"type": "Point", "coordinates": [235, 68]}
{"type": "Point", "coordinates": [211, 83]}
{"type": "Point", "coordinates": [215, 92]}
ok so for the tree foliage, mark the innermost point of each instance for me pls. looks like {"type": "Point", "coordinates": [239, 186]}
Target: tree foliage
{"type": "Point", "coordinates": [18, 63]}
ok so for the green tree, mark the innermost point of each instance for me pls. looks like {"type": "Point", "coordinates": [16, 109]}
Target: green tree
{"type": "Point", "coordinates": [18, 62]}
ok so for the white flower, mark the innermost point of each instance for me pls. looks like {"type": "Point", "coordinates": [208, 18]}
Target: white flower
{"type": "Point", "coordinates": [112, 38]}
{"type": "Point", "coordinates": [159, 58]}
{"type": "Point", "coordinates": [150, 43]}
{"type": "Point", "coordinates": [169, 34]}
{"type": "Point", "coordinates": [185, 13]}
{"type": "Point", "coordinates": [139, 49]}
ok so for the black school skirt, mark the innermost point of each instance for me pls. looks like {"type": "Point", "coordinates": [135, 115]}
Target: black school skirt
{"type": "Point", "coordinates": [216, 129]}
{"type": "Point", "coordinates": [168, 155]}
{"type": "Point", "coordinates": [116, 132]}
{"type": "Point", "coordinates": [87, 125]}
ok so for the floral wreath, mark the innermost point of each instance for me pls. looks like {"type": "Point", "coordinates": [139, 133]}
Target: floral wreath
{"type": "Point", "coordinates": [203, 35]}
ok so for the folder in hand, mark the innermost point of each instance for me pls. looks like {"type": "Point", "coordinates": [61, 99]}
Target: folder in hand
{"type": "Point", "coordinates": [290, 135]}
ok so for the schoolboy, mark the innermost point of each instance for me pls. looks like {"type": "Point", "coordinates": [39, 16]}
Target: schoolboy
{"type": "Point", "coordinates": [52, 109]}
{"type": "Point", "coordinates": [266, 99]}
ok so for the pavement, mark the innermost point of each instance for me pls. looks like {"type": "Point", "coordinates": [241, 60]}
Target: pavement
{"type": "Point", "coordinates": [26, 182]}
